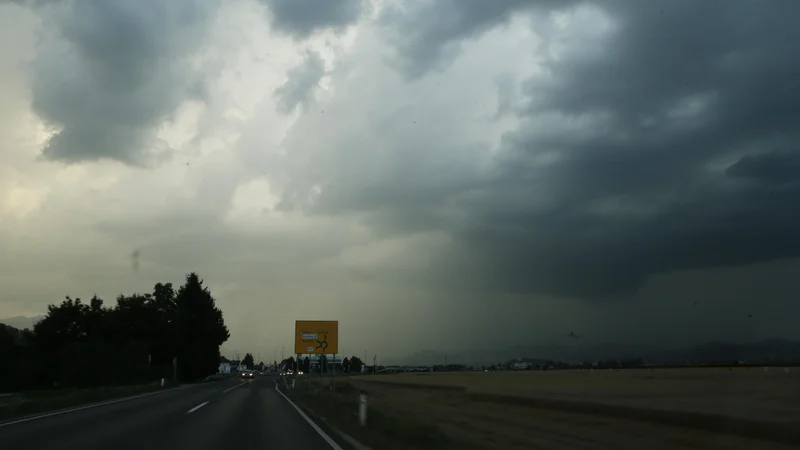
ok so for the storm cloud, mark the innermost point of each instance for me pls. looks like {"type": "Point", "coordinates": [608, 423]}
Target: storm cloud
{"type": "Point", "coordinates": [301, 83]}
{"type": "Point", "coordinates": [109, 74]}
{"type": "Point", "coordinates": [645, 145]}
{"type": "Point", "coordinates": [412, 168]}
{"type": "Point", "coordinates": [301, 18]}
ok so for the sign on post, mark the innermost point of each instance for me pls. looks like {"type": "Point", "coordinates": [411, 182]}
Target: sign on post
{"type": "Point", "coordinates": [319, 337]}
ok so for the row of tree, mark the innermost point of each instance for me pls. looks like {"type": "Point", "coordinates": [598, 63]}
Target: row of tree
{"type": "Point", "coordinates": [167, 333]}
{"type": "Point", "coordinates": [248, 361]}
{"type": "Point", "coordinates": [352, 364]}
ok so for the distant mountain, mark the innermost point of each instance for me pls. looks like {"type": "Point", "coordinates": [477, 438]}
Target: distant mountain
{"type": "Point", "coordinates": [22, 322]}
{"type": "Point", "coordinates": [713, 352]}
{"type": "Point", "coordinates": [716, 352]}
{"type": "Point", "coordinates": [565, 353]}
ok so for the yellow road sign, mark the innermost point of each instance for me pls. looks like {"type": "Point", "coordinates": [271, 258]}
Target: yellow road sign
{"type": "Point", "coordinates": [319, 337]}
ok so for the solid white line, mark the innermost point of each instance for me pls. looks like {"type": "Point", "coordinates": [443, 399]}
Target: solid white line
{"type": "Point", "coordinates": [196, 407]}
{"type": "Point", "coordinates": [81, 408]}
{"type": "Point", "coordinates": [316, 428]}
{"type": "Point", "coordinates": [232, 388]}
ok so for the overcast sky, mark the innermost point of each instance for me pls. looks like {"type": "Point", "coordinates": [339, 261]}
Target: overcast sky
{"type": "Point", "coordinates": [438, 174]}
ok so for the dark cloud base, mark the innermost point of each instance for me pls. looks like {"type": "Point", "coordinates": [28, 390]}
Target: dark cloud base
{"type": "Point", "coordinates": [108, 74]}
{"type": "Point", "coordinates": [692, 163]}
{"type": "Point", "coordinates": [302, 18]}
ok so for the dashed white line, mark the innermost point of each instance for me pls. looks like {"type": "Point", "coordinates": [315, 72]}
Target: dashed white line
{"type": "Point", "coordinates": [197, 407]}
{"type": "Point", "coordinates": [232, 388]}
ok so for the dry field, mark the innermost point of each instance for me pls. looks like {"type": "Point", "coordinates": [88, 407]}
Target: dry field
{"type": "Point", "coordinates": [773, 395]}
{"type": "Point", "coordinates": [473, 407]}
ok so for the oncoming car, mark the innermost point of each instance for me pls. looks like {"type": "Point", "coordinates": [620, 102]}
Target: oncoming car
{"type": "Point", "coordinates": [248, 374]}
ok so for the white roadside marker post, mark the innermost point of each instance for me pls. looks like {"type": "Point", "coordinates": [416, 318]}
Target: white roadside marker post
{"type": "Point", "coordinates": [362, 409]}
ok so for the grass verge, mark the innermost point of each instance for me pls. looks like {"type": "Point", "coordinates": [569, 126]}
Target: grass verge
{"type": "Point", "coordinates": [34, 402]}
{"type": "Point", "coordinates": [383, 431]}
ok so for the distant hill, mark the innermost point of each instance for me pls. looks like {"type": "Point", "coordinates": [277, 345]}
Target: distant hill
{"type": "Point", "coordinates": [21, 322]}
{"type": "Point", "coordinates": [567, 353]}
{"type": "Point", "coordinates": [712, 352]}
{"type": "Point", "coordinates": [716, 352]}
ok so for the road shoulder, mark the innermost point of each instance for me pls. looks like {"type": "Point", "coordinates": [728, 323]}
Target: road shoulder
{"type": "Point", "coordinates": [328, 432]}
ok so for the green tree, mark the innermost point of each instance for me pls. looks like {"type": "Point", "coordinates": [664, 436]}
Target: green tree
{"type": "Point", "coordinates": [200, 330]}
{"type": "Point", "coordinates": [355, 364]}
{"type": "Point", "coordinates": [134, 341]}
{"type": "Point", "coordinates": [7, 339]}
{"type": "Point", "coordinates": [288, 362]}
{"type": "Point", "coordinates": [164, 342]}
{"type": "Point", "coordinates": [248, 361]}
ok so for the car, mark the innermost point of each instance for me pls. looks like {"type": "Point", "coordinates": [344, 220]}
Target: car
{"type": "Point", "coordinates": [247, 374]}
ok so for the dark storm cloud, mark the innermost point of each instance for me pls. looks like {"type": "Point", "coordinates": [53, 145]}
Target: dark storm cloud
{"type": "Point", "coordinates": [666, 144]}
{"type": "Point", "coordinates": [681, 86]}
{"type": "Point", "coordinates": [301, 18]}
{"type": "Point", "coordinates": [301, 83]}
{"type": "Point", "coordinates": [112, 72]}
{"type": "Point", "coordinates": [428, 33]}
{"type": "Point", "coordinates": [778, 167]}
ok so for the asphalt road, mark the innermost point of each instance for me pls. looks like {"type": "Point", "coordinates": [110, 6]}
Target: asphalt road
{"type": "Point", "coordinates": [226, 414]}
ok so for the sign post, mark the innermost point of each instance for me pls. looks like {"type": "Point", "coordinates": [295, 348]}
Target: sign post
{"type": "Point", "coordinates": [314, 338]}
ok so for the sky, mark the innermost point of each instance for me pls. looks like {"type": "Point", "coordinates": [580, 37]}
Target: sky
{"type": "Point", "coordinates": [435, 175]}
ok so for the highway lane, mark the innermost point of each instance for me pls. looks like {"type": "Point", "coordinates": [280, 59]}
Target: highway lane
{"type": "Point", "coordinates": [208, 416]}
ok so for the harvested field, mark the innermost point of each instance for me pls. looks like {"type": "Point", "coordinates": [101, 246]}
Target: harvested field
{"type": "Point", "coordinates": [694, 408]}
{"type": "Point", "coordinates": [754, 394]}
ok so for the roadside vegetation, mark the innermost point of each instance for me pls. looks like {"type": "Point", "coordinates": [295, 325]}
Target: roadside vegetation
{"type": "Point", "coordinates": [45, 400]}
{"type": "Point", "coordinates": [124, 349]}
{"type": "Point", "coordinates": [384, 430]}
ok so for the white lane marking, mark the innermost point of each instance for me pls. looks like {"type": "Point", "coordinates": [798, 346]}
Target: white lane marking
{"type": "Point", "coordinates": [316, 428]}
{"type": "Point", "coordinates": [232, 388]}
{"type": "Point", "coordinates": [196, 407]}
{"type": "Point", "coordinates": [81, 408]}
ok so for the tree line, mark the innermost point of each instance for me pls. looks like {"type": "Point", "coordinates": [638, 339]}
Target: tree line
{"type": "Point", "coordinates": [352, 364]}
{"type": "Point", "coordinates": [169, 333]}
{"type": "Point", "coordinates": [248, 361]}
